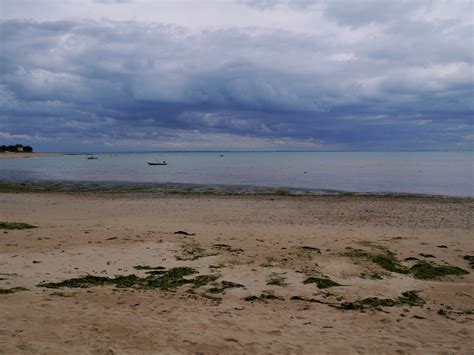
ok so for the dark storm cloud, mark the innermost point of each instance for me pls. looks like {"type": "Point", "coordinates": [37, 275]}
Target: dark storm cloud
{"type": "Point", "coordinates": [369, 76]}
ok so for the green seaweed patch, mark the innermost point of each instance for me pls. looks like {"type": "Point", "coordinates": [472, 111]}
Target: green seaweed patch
{"type": "Point", "coordinates": [368, 303]}
{"type": "Point", "coordinates": [274, 262]}
{"type": "Point", "coordinates": [91, 281]}
{"type": "Point", "coordinates": [427, 271]}
{"type": "Point", "coordinates": [212, 298]}
{"type": "Point", "coordinates": [410, 298]}
{"type": "Point", "coordinates": [216, 266]}
{"type": "Point", "coordinates": [470, 260]}
{"type": "Point", "coordinates": [146, 267]}
{"type": "Point", "coordinates": [423, 270]}
{"type": "Point", "coordinates": [223, 286]}
{"type": "Point", "coordinates": [16, 226]}
{"type": "Point", "coordinates": [5, 291]}
{"type": "Point", "coordinates": [282, 192]}
{"type": "Point", "coordinates": [167, 280]}
{"type": "Point", "coordinates": [321, 282]}
{"type": "Point", "coordinates": [203, 280]}
{"type": "Point", "coordinates": [151, 270]}
{"type": "Point", "coordinates": [386, 261]}
{"type": "Point", "coordinates": [307, 252]}
{"type": "Point", "coordinates": [276, 279]}
{"type": "Point", "coordinates": [227, 248]}
{"type": "Point", "coordinates": [171, 280]}
{"type": "Point", "coordinates": [264, 297]}
{"type": "Point", "coordinates": [193, 251]}
{"type": "Point", "coordinates": [370, 244]}
{"type": "Point", "coordinates": [301, 298]}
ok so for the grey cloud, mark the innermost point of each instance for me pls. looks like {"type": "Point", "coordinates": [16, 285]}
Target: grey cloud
{"type": "Point", "coordinates": [394, 80]}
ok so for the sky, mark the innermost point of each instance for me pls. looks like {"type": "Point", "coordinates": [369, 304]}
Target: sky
{"type": "Point", "coordinates": [117, 75]}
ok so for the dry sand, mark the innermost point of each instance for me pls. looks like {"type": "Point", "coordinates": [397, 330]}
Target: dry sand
{"type": "Point", "coordinates": [107, 235]}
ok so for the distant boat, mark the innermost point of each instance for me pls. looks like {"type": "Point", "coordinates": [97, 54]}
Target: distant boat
{"type": "Point", "coordinates": [222, 155]}
{"type": "Point", "coordinates": [157, 162]}
{"type": "Point", "coordinates": [91, 158]}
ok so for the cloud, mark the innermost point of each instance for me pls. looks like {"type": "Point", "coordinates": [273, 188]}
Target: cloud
{"type": "Point", "coordinates": [390, 75]}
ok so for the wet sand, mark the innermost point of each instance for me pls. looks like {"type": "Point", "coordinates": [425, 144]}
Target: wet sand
{"type": "Point", "coordinates": [268, 245]}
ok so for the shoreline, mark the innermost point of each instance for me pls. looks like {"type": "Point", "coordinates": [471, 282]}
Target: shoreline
{"type": "Point", "coordinates": [264, 274]}
{"type": "Point", "coordinates": [26, 155]}
{"type": "Point", "coordinates": [163, 189]}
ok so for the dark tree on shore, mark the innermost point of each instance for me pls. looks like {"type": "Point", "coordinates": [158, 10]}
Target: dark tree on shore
{"type": "Point", "coordinates": [17, 148]}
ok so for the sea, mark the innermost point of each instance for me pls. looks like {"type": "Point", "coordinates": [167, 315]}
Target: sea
{"type": "Point", "coordinates": [446, 173]}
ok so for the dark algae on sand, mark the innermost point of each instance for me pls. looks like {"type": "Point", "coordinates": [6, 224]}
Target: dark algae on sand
{"type": "Point", "coordinates": [422, 269]}
{"type": "Point", "coordinates": [164, 280]}
{"type": "Point", "coordinates": [16, 226]}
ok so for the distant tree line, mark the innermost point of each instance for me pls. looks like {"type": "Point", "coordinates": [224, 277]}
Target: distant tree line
{"type": "Point", "coordinates": [17, 148]}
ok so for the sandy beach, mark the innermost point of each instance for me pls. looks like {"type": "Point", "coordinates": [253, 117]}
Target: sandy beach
{"type": "Point", "coordinates": [266, 275]}
{"type": "Point", "coordinates": [26, 155]}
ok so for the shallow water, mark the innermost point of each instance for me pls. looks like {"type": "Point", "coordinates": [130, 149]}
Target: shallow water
{"type": "Point", "coordinates": [437, 173]}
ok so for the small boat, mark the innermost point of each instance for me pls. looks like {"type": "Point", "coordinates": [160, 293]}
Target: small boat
{"type": "Point", "coordinates": [157, 162]}
{"type": "Point", "coordinates": [91, 158]}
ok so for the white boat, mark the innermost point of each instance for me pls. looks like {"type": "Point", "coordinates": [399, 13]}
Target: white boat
{"type": "Point", "coordinates": [157, 162]}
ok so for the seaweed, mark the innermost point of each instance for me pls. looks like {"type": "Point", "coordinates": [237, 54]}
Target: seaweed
{"type": "Point", "coordinates": [78, 282]}
{"type": "Point", "coordinates": [470, 260]}
{"type": "Point", "coordinates": [368, 303]}
{"type": "Point", "coordinates": [270, 262]}
{"type": "Point", "coordinates": [370, 244]}
{"type": "Point", "coordinates": [16, 226]}
{"type": "Point", "coordinates": [146, 267]}
{"type": "Point", "coordinates": [386, 261]}
{"type": "Point", "coordinates": [297, 298]}
{"type": "Point", "coordinates": [151, 270]}
{"type": "Point", "coordinates": [276, 280]}
{"type": "Point", "coordinates": [306, 252]}
{"type": "Point", "coordinates": [262, 298]}
{"type": "Point", "coordinates": [5, 291]}
{"type": "Point", "coordinates": [218, 266]}
{"type": "Point", "coordinates": [321, 282]}
{"type": "Point", "coordinates": [212, 298]}
{"type": "Point", "coordinates": [282, 192]}
{"type": "Point", "coordinates": [301, 298]}
{"type": "Point", "coordinates": [411, 298]}
{"type": "Point", "coordinates": [227, 248]}
{"type": "Point", "coordinates": [424, 270]}
{"type": "Point", "coordinates": [193, 251]}
{"type": "Point", "coordinates": [167, 280]}
{"type": "Point", "coordinates": [184, 233]}
{"type": "Point", "coordinates": [126, 281]}
{"type": "Point", "coordinates": [171, 280]}
{"type": "Point", "coordinates": [224, 285]}
{"type": "Point", "coordinates": [427, 255]}
{"type": "Point", "coordinates": [203, 280]}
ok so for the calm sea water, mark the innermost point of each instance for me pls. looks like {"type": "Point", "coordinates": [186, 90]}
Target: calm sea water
{"type": "Point", "coordinates": [440, 173]}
